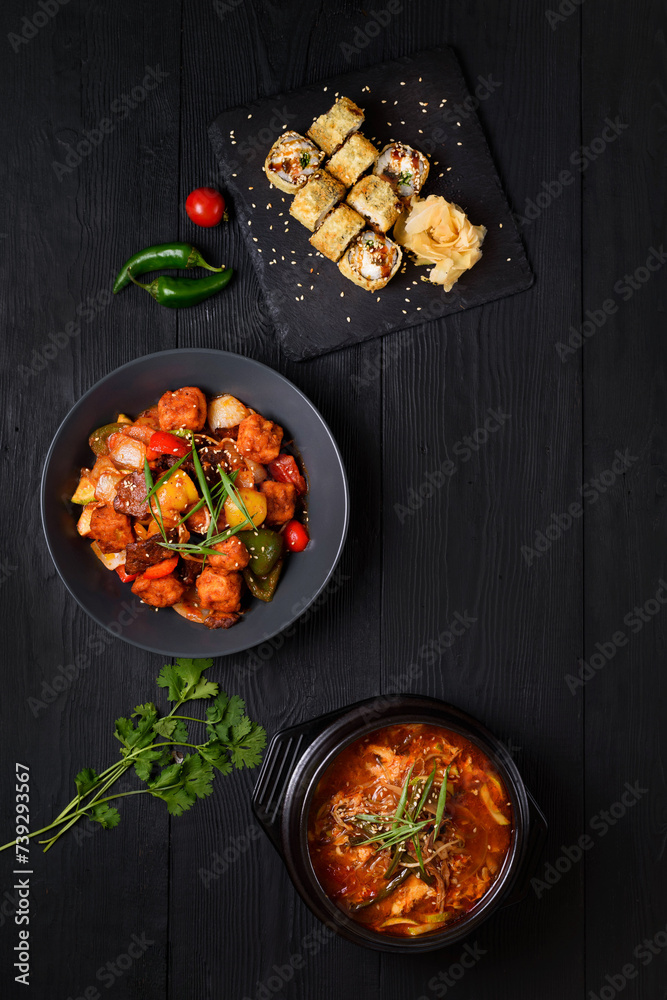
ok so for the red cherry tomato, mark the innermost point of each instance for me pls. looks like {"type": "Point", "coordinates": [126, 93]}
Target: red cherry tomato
{"type": "Point", "coordinates": [164, 443]}
{"type": "Point", "coordinates": [205, 206]}
{"type": "Point", "coordinates": [285, 470]}
{"type": "Point", "coordinates": [296, 536]}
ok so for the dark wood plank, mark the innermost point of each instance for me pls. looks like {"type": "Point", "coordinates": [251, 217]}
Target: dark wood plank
{"type": "Point", "coordinates": [456, 548]}
{"type": "Point", "coordinates": [624, 64]}
{"type": "Point", "coordinates": [66, 232]}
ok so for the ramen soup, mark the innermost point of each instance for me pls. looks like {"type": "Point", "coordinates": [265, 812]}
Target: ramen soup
{"type": "Point", "coordinates": [409, 828]}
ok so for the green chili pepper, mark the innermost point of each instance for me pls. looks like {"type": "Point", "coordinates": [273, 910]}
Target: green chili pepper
{"type": "Point", "coordinates": [179, 292]}
{"type": "Point", "coordinates": [265, 548]}
{"type": "Point", "coordinates": [98, 440]}
{"type": "Point", "coordinates": [263, 587]}
{"type": "Point", "coordinates": [158, 258]}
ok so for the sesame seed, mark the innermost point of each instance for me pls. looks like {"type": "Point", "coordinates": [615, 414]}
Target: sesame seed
{"type": "Point", "coordinates": [348, 319]}
{"type": "Point", "coordinates": [459, 143]}
{"type": "Point", "coordinates": [342, 294]}
{"type": "Point", "coordinates": [509, 258]}
{"type": "Point", "coordinates": [402, 83]}
{"type": "Point", "coordinates": [249, 116]}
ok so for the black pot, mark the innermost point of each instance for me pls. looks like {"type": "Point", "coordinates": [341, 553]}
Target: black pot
{"type": "Point", "coordinates": [298, 757]}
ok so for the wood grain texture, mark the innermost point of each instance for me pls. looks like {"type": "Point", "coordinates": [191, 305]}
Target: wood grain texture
{"type": "Point", "coordinates": [625, 529]}
{"type": "Point", "coordinates": [399, 408]}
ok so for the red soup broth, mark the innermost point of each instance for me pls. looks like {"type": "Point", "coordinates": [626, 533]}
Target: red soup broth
{"type": "Point", "coordinates": [388, 887]}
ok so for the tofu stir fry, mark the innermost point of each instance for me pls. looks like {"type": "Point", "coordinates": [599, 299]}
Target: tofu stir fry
{"type": "Point", "coordinates": [195, 503]}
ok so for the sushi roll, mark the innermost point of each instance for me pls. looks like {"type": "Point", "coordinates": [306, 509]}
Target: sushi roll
{"type": "Point", "coordinates": [376, 200]}
{"type": "Point", "coordinates": [292, 160]}
{"type": "Point", "coordinates": [353, 158]}
{"type": "Point", "coordinates": [371, 261]}
{"type": "Point", "coordinates": [337, 231]}
{"type": "Point", "coordinates": [331, 130]}
{"type": "Point", "coordinates": [405, 168]}
{"type": "Point", "coordinates": [313, 202]}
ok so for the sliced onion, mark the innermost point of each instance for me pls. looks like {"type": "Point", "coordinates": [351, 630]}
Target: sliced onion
{"type": "Point", "coordinates": [485, 796]}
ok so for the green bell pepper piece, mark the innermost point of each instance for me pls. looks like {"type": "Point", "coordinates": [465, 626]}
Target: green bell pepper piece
{"type": "Point", "coordinates": [265, 548]}
{"type": "Point", "coordinates": [263, 587]}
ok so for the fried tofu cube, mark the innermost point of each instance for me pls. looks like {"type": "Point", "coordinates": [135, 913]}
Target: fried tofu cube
{"type": "Point", "coordinates": [183, 408]}
{"type": "Point", "coordinates": [259, 439]}
{"type": "Point", "coordinates": [280, 501]}
{"type": "Point", "coordinates": [219, 591]}
{"type": "Point", "coordinates": [112, 531]}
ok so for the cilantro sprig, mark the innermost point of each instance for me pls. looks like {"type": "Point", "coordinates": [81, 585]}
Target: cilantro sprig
{"type": "Point", "coordinates": [164, 757]}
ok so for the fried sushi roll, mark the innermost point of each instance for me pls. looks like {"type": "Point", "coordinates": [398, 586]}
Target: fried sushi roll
{"type": "Point", "coordinates": [337, 232]}
{"type": "Point", "coordinates": [292, 161]}
{"type": "Point", "coordinates": [405, 168]}
{"type": "Point", "coordinates": [331, 130]}
{"type": "Point", "coordinates": [313, 202]}
{"type": "Point", "coordinates": [371, 261]}
{"type": "Point", "coordinates": [353, 159]}
{"type": "Point", "coordinates": [376, 200]}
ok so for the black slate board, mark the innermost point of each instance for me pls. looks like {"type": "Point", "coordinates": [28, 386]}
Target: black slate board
{"type": "Point", "coordinates": [314, 308]}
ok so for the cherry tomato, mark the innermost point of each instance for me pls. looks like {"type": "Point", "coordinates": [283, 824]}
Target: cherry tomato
{"type": "Point", "coordinates": [161, 569]}
{"type": "Point", "coordinates": [126, 577]}
{"type": "Point", "coordinates": [296, 536]}
{"type": "Point", "coordinates": [164, 443]}
{"type": "Point", "coordinates": [205, 206]}
{"type": "Point", "coordinates": [285, 470]}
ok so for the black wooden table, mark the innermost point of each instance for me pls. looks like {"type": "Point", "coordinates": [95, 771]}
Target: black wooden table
{"type": "Point", "coordinates": [548, 540]}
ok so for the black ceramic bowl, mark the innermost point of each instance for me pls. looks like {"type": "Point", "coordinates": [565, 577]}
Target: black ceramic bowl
{"type": "Point", "coordinates": [130, 389]}
{"type": "Point", "coordinates": [298, 757]}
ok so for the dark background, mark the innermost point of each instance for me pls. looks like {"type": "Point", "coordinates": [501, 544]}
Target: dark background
{"type": "Point", "coordinates": [398, 407]}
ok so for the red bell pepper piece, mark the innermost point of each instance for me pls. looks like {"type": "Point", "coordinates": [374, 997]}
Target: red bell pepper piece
{"type": "Point", "coordinates": [126, 577]}
{"type": "Point", "coordinates": [164, 443]}
{"type": "Point", "coordinates": [161, 569]}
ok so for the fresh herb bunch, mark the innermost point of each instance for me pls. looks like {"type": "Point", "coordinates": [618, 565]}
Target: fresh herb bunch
{"type": "Point", "coordinates": [150, 745]}
{"type": "Point", "coordinates": [214, 497]}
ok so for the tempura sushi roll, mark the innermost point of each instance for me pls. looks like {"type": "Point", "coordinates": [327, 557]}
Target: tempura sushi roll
{"type": "Point", "coordinates": [376, 200]}
{"type": "Point", "coordinates": [353, 158]}
{"type": "Point", "coordinates": [337, 231]}
{"type": "Point", "coordinates": [371, 261]}
{"type": "Point", "coordinates": [331, 130]}
{"type": "Point", "coordinates": [292, 160]}
{"type": "Point", "coordinates": [405, 168]}
{"type": "Point", "coordinates": [313, 202]}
